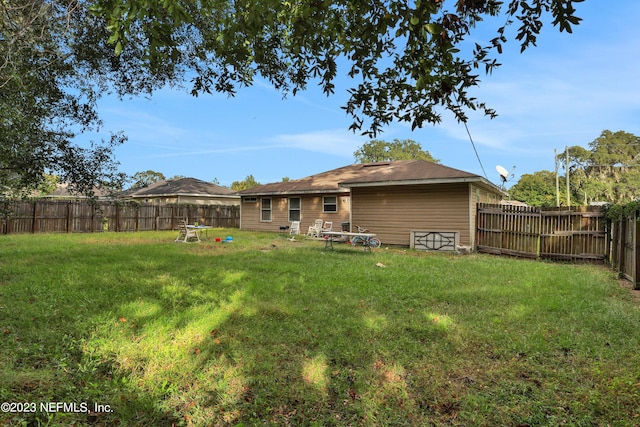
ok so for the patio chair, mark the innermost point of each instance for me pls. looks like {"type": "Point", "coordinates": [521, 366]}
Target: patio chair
{"type": "Point", "coordinates": [315, 229]}
{"type": "Point", "coordinates": [295, 227]}
{"type": "Point", "coordinates": [185, 233]}
{"type": "Point", "coordinates": [327, 226]}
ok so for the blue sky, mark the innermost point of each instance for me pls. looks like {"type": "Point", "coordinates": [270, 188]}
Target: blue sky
{"type": "Point", "coordinates": [563, 92]}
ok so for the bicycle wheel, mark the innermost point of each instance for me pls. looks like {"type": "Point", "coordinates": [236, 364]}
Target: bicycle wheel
{"type": "Point", "coordinates": [374, 242]}
{"type": "Point", "coordinates": [355, 240]}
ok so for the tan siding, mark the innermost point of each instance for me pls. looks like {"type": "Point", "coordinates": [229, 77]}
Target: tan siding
{"type": "Point", "coordinates": [392, 212]}
{"type": "Point", "coordinates": [311, 209]}
{"type": "Point", "coordinates": [249, 215]}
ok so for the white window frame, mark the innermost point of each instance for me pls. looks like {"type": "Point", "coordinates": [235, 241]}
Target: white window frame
{"type": "Point", "coordinates": [325, 204]}
{"type": "Point", "coordinates": [298, 209]}
{"type": "Point", "coordinates": [264, 210]}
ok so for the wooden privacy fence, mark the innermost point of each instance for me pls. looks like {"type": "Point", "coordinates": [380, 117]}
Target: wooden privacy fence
{"type": "Point", "coordinates": [578, 233]}
{"type": "Point", "coordinates": [81, 216]}
{"type": "Point", "coordinates": [625, 247]}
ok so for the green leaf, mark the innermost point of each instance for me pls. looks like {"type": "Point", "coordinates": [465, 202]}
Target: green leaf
{"type": "Point", "coordinates": [433, 28]}
{"type": "Point", "coordinates": [113, 37]}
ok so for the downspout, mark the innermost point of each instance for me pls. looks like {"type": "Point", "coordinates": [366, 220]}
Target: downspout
{"type": "Point", "coordinates": [350, 209]}
{"type": "Point", "coordinates": [472, 229]}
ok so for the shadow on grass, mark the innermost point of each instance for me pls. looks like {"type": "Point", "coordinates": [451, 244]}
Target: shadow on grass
{"type": "Point", "coordinates": [277, 341]}
{"type": "Point", "coordinates": [279, 335]}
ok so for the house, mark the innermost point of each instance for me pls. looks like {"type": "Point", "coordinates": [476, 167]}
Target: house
{"type": "Point", "coordinates": [269, 207]}
{"type": "Point", "coordinates": [419, 204]}
{"type": "Point", "coordinates": [409, 202]}
{"type": "Point", "coordinates": [63, 192]}
{"type": "Point", "coordinates": [185, 191]}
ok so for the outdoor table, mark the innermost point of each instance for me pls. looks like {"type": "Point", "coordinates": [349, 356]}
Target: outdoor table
{"type": "Point", "coordinates": [330, 235]}
{"type": "Point", "coordinates": [198, 228]}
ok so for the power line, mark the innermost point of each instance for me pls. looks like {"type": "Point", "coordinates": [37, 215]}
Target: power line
{"type": "Point", "coordinates": [475, 150]}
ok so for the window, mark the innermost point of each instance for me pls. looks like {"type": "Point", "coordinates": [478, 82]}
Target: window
{"type": "Point", "coordinates": [265, 209]}
{"type": "Point", "coordinates": [330, 204]}
{"type": "Point", "coordinates": [294, 209]}
{"type": "Point", "coordinates": [249, 199]}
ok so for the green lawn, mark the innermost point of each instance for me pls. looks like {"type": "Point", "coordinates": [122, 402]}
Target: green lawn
{"type": "Point", "coordinates": [266, 331]}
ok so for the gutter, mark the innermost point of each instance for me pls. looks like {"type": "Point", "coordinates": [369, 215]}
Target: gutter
{"type": "Point", "coordinates": [147, 196]}
{"type": "Point", "coordinates": [478, 179]}
{"type": "Point", "coordinates": [289, 192]}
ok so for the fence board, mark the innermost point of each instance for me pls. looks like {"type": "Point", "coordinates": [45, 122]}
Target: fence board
{"type": "Point", "coordinates": [576, 234]}
{"type": "Point", "coordinates": [626, 248]}
{"type": "Point", "coordinates": [43, 216]}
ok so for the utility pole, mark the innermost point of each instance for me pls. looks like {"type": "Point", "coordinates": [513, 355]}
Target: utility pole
{"type": "Point", "coordinates": [567, 168]}
{"type": "Point", "coordinates": [555, 157]}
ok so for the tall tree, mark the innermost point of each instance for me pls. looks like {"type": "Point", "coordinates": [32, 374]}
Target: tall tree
{"type": "Point", "coordinates": [405, 57]}
{"type": "Point", "coordinates": [45, 100]}
{"type": "Point", "coordinates": [248, 182]}
{"type": "Point", "coordinates": [381, 151]}
{"type": "Point", "coordinates": [536, 189]}
{"type": "Point", "coordinates": [145, 178]}
{"type": "Point", "coordinates": [406, 61]}
{"type": "Point", "coordinates": [609, 171]}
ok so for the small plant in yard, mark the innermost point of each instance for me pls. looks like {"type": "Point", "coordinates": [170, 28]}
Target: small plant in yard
{"type": "Point", "coordinates": [137, 330]}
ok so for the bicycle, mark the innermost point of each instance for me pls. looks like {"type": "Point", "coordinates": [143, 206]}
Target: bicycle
{"type": "Point", "coordinates": [371, 242]}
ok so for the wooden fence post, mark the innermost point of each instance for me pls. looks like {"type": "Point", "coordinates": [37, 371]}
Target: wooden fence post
{"type": "Point", "coordinates": [34, 223]}
{"type": "Point", "coordinates": [622, 244]}
{"type": "Point", "coordinates": [69, 218]}
{"type": "Point", "coordinates": [613, 245]}
{"type": "Point", "coordinates": [636, 252]}
{"type": "Point", "coordinates": [5, 218]}
{"type": "Point", "coordinates": [117, 217]}
{"type": "Point", "coordinates": [9, 221]}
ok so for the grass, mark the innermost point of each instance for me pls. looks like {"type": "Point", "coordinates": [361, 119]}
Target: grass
{"type": "Point", "coordinates": [265, 331]}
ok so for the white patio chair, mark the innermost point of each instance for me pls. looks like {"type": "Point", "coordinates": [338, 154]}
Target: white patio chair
{"type": "Point", "coordinates": [185, 233]}
{"type": "Point", "coordinates": [315, 229]}
{"type": "Point", "coordinates": [295, 227]}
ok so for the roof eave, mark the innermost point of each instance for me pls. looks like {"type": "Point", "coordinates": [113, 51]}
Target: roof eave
{"type": "Point", "coordinates": [222, 196]}
{"type": "Point", "coordinates": [295, 192]}
{"type": "Point", "coordinates": [428, 181]}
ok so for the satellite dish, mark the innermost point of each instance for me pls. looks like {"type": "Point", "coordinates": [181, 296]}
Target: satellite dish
{"type": "Point", "coordinates": [504, 174]}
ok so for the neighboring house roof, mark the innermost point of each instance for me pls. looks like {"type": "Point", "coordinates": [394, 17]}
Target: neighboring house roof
{"type": "Point", "coordinates": [182, 187]}
{"type": "Point", "coordinates": [401, 172]}
{"type": "Point", "coordinates": [513, 203]}
{"type": "Point", "coordinates": [62, 192]}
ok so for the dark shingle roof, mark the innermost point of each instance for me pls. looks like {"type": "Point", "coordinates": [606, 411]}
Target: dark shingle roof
{"type": "Point", "coordinates": [62, 191]}
{"type": "Point", "coordinates": [182, 187]}
{"type": "Point", "coordinates": [406, 171]}
{"type": "Point", "coordinates": [361, 174]}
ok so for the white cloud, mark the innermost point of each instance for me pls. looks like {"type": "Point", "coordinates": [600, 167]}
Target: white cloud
{"type": "Point", "coordinates": [337, 142]}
